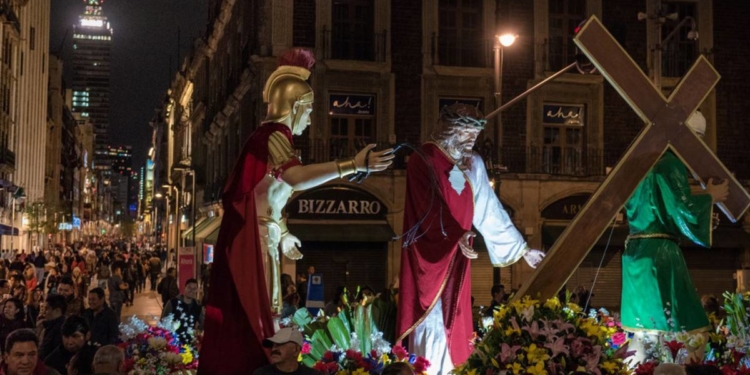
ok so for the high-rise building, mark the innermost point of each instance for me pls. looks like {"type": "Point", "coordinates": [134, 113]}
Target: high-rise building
{"type": "Point", "coordinates": [121, 159]}
{"type": "Point", "coordinates": [92, 41]}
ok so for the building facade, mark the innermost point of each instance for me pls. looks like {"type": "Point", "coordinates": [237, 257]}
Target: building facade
{"type": "Point", "coordinates": [384, 69]}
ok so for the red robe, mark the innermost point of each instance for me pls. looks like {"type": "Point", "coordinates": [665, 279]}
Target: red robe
{"type": "Point", "coordinates": [238, 313]}
{"type": "Point", "coordinates": [433, 266]}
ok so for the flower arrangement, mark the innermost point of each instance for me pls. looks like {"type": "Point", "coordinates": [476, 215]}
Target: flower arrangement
{"type": "Point", "coordinates": [725, 347]}
{"type": "Point", "coordinates": [350, 343]}
{"type": "Point", "coordinates": [528, 337]}
{"type": "Point", "coordinates": [156, 349]}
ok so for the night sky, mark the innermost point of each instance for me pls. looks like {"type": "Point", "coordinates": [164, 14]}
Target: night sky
{"type": "Point", "coordinates": [143, 42]}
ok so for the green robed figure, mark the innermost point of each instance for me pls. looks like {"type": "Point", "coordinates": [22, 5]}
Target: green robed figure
{"type": "Point", "coordinates": [658, 295]}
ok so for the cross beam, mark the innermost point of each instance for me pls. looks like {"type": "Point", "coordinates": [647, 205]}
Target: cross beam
{"type": "Point", "coordinates": [665, 129]}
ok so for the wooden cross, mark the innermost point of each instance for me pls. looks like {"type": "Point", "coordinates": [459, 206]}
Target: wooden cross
{"type": "Point", "coordinates": [665, 128]}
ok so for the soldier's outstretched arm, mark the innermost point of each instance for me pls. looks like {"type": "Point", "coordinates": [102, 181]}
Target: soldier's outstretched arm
{"type": "Point", "coordinates": [303, 177]}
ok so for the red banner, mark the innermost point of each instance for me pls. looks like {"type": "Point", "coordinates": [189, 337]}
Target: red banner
{"type": "Point", "coordinates": [186, 270]}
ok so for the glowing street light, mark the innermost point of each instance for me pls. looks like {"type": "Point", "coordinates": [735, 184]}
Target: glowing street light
{"type": "Point", "coordinates": [507, 39]}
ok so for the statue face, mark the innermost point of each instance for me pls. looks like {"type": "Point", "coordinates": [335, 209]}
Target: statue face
{"type": "Point", "coordinates": [301, 118]}
{"type": "Point", "coordinates": [466, 138]}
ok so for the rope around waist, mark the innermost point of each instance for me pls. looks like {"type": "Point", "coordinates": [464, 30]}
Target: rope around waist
{"type": "Point", "coordinates": [664, 236]}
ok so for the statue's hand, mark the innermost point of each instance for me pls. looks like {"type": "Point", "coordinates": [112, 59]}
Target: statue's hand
{"type": "Point", "coordinates": [289, 245]}
{"type": "Point", "coordinates": [533, 257]}
{"type": "Point", "coordinates": [378, 160]}
{"type": "Point", "coordinates": [465, 245]}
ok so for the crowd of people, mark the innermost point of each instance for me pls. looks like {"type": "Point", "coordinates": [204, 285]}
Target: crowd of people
{"type": "Point", "coordinates": [61, 306]}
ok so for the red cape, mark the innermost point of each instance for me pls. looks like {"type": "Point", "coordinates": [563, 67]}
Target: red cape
{"type": "Point", "coordinates": [433, 266]}
{"type": "Point", "coordinates": [238, 313]}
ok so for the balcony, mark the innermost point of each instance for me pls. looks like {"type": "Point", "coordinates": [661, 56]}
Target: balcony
{"type": "Point", "coordinates": [8, 157]}
{"type": "Point", "coordinates": [453, 51]}
{"type": "Point", "coordinates": [560, 161]}
{"type": "Point", "coordinates": [339, 45]}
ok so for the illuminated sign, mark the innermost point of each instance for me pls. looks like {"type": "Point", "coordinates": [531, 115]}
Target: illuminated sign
{"type": "Point", "coordinates": [91, 23]}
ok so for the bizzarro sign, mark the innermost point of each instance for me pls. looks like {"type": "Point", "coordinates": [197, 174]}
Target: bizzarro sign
{"type": "Point", "coordinates": [336, 203]}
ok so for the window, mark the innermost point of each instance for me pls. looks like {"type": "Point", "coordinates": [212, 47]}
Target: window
{"type": "Point", "coordinates": [350, 134]}
{"type": "Point", "coordinates": [564, 17]}
{"type": "Point", "coordinates": [679, 52]}
{"type": "Point", "coordinates": [562, 147]}
{"type": "Point", "coordinates": [32, 38]}
{"type": "Point", "coordinates": [352, 34]}
{"type": "Point", "coordinates": [460, 40]}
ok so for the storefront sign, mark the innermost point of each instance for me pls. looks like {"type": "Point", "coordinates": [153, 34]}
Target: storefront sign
{"type": "Point", "coordinates": [562, 114]}
{"type": "Point", "coordinates": [65, 226]}
{"type": "Point", "coordinates": [566, 208]}
{"type": "Point", "coordinates": [186, 269]}
{"type": "Point", "coordinates": [474, 102]}
{"type": "Point", "coordinates": [76, 222]}
{"type": "Point", "coordinates": [337, 203]}
{"type": "Point", "coordinates": [361, 105]}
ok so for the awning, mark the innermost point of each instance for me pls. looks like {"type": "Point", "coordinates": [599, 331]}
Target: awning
{"type": "Point", "coordinates": [7, 230]}
{"type": "Point", "coordinates": [208, 227]}
{"type": "Point", "coordinates": [211, 238]}
{"type": "Point", "coordinates": [188, 234]}
{"type": "Point", "coordinates": [344, 231]}
{"type": "Point", "coordinates": [723, 237]}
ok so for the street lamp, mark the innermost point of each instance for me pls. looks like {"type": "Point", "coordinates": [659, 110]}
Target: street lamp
{"type": "Point", "coordinates": [176, 214]}
{"type": "Point", "coordinates": [504, 40]}
{"type": "Point", "coordinates": [191, 172]}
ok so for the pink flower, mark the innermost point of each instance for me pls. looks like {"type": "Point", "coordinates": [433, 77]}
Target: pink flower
{"type": "Point", "coordinates": [306, 347]}
{"type": "Point", "coordinates": [399, 352]}
{"type": "Point", "coordinates": [421, 365]}
{"type": "Point", "coordinates": [558, 346]}
{"type": "Point", "coordinates": [619, 338]}
{"type": "Point", "coordinates": [674, 347]}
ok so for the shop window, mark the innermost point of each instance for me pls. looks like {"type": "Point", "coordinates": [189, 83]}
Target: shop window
{"type": "Point", "coordinates": [563, 150]}
{"type": "Point", "coordinates": [349, 134]}
{"type": "Point", "coordinates": [352, 36]}
{"type": "Point", "coordinates": [564, 17]}
{"type": "Point", "coordinates": [679, 52]}
{"type": "Point", "coordinates": [460, 38]}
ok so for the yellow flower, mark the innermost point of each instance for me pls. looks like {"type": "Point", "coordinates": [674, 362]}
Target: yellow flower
{"type": "Point", "coordinates": [360, 371]}
{"type": "Point", "coordinates": [553, 304]}
{"type": "Point", "coordinates": [537, 355]}
{"type": "Point", "coordinates": [385, 360]}
{"type": "Point", "coordinates": [500, 313]}
{"type": "Point", "coordinates": [575, 308]}
{"type": "Point", "coordinates": [510, 331]}
{"type": "Point", "coordinates": [472, 372]}
{"type": "Point", "coordinates": [592, 328]}
{"type": "Point", "coordinates": [538, 369]}
{"type": "Point", "coordinates": [715, 337]}
{"type": "Point", "coordinates": [515, 368]}
{"type": "Point", "coordinates": [610, 367]}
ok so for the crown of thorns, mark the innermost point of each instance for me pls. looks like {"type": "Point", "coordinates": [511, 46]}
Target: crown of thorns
{"type": "Point", "coordinates": [463, 115]}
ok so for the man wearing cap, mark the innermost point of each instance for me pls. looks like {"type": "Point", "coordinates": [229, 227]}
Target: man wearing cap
{"type": "Point", "coordinates": [285, 346]}
{"type": "Point", "coordinates": [661, 211]}
{"type": "Point", "coordinates": [447, 192]}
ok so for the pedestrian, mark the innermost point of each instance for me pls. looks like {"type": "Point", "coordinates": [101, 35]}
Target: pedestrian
{"type": "Point", "coordinates": [54, 316]}
{"type": "Point", "coordinates": [168, 288]}
{"type": "Point", "coordinates": [23, 355]}
{"type": "Point", "coordinates": [285, 346]}
{"type": "Point", "coordinates": [185, 310]}
{"type": "Point", "coordinates": [116, 289]}
{"type": "Point", "coordinates": [75, 334]}
{"type": "Point", "coordinates": [102, 320]}
{"type": "Point", "coordinates": [12, 318]}
{"type": "Point", "coordinates": [108, 360]}
{"type": "Point", "coordinates": [154, 269]}
{"type": "Point", "coordinates": [103, 273]}
{"type": "Point", "coordinates": [67, 290]}
{"type": "Point", "coordinates": [33, 306]}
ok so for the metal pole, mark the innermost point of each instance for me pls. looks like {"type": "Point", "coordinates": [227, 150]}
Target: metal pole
{"type": "Point", "coordinates": [498, 99]}
{"type": "Point", "coordinates": [529, 91]}
{"type": "Point", "coordinates": [176, 221]}
{"type": "Point", "coordinates": [192, 220]}
{"type": "Point", "coordinates": [12, 220]}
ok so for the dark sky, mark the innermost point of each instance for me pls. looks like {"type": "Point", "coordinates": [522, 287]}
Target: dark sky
{"type": "Point", "coordinates": [143, 42]}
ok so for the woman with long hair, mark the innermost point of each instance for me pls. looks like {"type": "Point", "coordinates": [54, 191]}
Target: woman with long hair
{"type": "Point", "coordinates": [29, 274]}
{"type": "Point", "coordinates": [11, 319]}
{"type": "Point", "coordinates": [33, 306]}
{"type": "Point", "coordinates": [80, 283]}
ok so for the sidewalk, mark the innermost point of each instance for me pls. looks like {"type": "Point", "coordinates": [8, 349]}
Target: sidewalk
{"type": "Point", "coordinates": [147, 307]}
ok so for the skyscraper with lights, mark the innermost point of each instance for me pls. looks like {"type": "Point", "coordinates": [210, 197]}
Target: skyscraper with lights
{"type": "Point", "coordinates": [92, 43]}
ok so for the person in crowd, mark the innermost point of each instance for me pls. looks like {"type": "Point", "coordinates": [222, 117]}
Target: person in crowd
{"type": "Point", "coordinates": [17, 264]}
{"type": "Point", "coordinates": [102, 320]}
{"type": "Point", "coordinates": [333, 307]}
{"type": "Point", "coordinates": [78, 263]}
{"type": "Point", "coordinates": [285, 346]}
{"type": "Point", "coordinates": [11, 319]}
{"type": "Point", "coordinates": [398, 368]}
{"type": "Point", "coordinates": [140, 272]}
{"type": "Point", "coordinates": [128, 277]}
{"type": "Point", "coordinates": [81, 362]}
{"type": "Point", "coordinates": [80, 283]}
{"type": "Point", "coordinates": [39, 261]}
{"type": "Point", "coordinates": [302, 288]}
{"type": "Point", "coordinates": [66, 289]}
{"type": "Point", "coordinates": [4, 272]}
{"type": "Point", "coordinates": [186, 310]}
{"type": "Point", "coordinates": [103, 273]}
{"type": "Point", "coordinates": [51, 281]}
{"type": "Point", "coordinates": [108, 360]}
{"type": "Point", "coordinates": [498, 298]}
{"type": "Point", "coordinates": [23, 357]}
{"type": "Point", "coordinates": [365, 293]}
{"type": "Point", "coordinates": [117, 289]}
{"type": "Point", "coordinates": [20, 292]}
{"type": "Point", "coordinates": [5, 289]}
{"type": "Point", "coordinates": [33, 306]}
{"type": "Point", "coordinates": [154, 266]}
{"type": "Point", "coordinates": [168, 288]}
{"type": "Point", "coordinates": [54, 317]}
{"type": "Point", "coordinates": [75, 334]}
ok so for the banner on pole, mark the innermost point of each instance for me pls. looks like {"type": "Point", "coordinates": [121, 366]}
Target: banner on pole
{"type": "Point", "coordinates": [315, 297]}
{"type": "Point", "coordinates": [186, 270]}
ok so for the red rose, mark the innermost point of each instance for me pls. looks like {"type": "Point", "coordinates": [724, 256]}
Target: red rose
{"type": "Point", "coordinates": [646, 368]}
{"type": "Point", "coordinates": [399, 352]}
{"type": "Point", "coordinates": [328, 356]}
